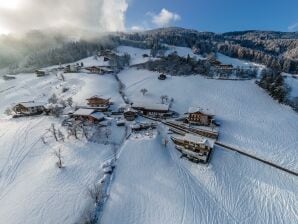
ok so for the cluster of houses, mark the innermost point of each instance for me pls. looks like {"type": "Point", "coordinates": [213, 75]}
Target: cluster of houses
{"type": "Point", "coordinates": [195, 146]}
{"type": "Point", "coordinates": [79, 67]}
{"type": "Point", "coordinates": [197, 143]}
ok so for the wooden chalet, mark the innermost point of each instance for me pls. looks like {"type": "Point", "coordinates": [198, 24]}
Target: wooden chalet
{"type": "Point", "coordinates": [89, 115]}
{"type": "Point", "coordinates": [199, 116]}
{"type": "Point", "coordinates": [72, 68]}
{"type": "Point", "coordinates": [101, 70]}
{"type": "Point", "coordinates": [106, 54]}
{"type": "Point", "coordinates": [151, 109]}
{"type": "Point", "coordinates": [29, 108]}
{"type": "Point", "coordinates": [130, 114]}
{"type": "Point", "coordinates": [97, 101]}
{"type": "Point", "coordinates": [194, 147]}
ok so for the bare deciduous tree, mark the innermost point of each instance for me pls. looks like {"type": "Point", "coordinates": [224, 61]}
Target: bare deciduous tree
{"type": "Point", "coordinates": [43, 140]}
{"type": "Point", "coordinates": [73, 131]}
{"type": "Point", "coordinates": [69, 101]}
{"type": "Point", "coordinates": [144, 91]}
{"type": "Point", "coordinates": [95, 192]}
{"type": "Point", "coordinates": [53, 130]}
{"type": "Point", "coordinates": [164, 98]}
{"type": "Point", "coordinates": [53, 99]}
{"type": "Point", "coordinates": [58, 154]}
{"type": "Point", "coordinates": [61, 136]}
{"type": "Point", "coordinates": [62, 77]}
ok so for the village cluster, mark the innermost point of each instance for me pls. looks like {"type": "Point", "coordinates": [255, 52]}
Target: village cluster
{"type": "Point", "coordinates": [193, 133]}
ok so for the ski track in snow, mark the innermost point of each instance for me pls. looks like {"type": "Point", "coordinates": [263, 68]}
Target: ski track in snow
{"type": "Point", "coordinates": [18, 153]}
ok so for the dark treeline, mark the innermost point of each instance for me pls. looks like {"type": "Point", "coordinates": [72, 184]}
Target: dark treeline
{"type": "Point", "coordinates": [271, 61]}
{"type": "Point", "coordinates": [273, 82]}
{"type": "Point", "coordinates": [276, 50]}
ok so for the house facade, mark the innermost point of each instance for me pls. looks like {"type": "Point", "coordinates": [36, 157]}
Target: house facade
{"type": "Point", "coordinates": [130, 114]}
{"type": "Point", "coordinates": [194, 146]}
{"type": "Point", "coordinates": [89, 115]}
{"type": "Point", "coordinates": [97, 101]}
{"type": "Point", "coordinates": [29, 108]}
{"type": "Point", "coordinates": [151, 109]}
{"type": "Point", "coordinates": [200, 117]}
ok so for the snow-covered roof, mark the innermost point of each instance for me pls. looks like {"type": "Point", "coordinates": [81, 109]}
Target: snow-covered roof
{"type": "Point", "coordinates": [198, 109]}
{"type": "Point", "coordinates": [32, 104]}
{"type": "Point", "coordinates": [129, 109]}
{"type": "Point", "coordinates": [151, 106]}
{"type": "Point", "coordinates": [198, 139]}
{"type": "Point", "coordinates": [97, 115]}
{"type": "Point", "coordinates": [84, 112]}
{"type": "Point", "coordinates": [96, 97]}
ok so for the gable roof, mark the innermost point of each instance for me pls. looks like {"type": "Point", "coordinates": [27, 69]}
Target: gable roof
{"type": "Point", "coordinates": [96, 97]}
{"type": "Point", "coordinates": [84, 112]}
{"type": "Point", "coordinates": [199, 140]}
{"type": "Point", "coordinates": [151, 106]}
{"type": "Point", "coordinates": [97, 115]}
{"type": "Point", "coordinates": [31, 104]}
{"type": "Point", "coordinates": [200, 110]}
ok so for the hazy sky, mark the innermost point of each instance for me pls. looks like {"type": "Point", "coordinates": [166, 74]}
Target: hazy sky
{"type": "Point", "coordinates": [114, 15]}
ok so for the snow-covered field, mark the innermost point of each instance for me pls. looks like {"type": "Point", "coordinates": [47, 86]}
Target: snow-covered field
{"type": "Point", "coordinates": [250, 119]}
{"type": "Point", "coordinates": [32, 188]}
{"type": "Point", "coordinates": [237, 62]}
{"type": "Point", "coordinates": [151, 184]}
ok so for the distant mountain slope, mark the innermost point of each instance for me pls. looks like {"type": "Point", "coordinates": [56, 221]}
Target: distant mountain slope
{"type": "Point", "coordinates": [278, 50]}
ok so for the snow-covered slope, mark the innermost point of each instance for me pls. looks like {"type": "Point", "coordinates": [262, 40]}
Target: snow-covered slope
{"type": "Point", "coordinates": [136, 54]}
{"type": "Point", "coordinates": [250, 119]}
{"type": "Point", "coordinates": [32, 188]}
{"type": "Point", "coordinates": [152, 185]}
{"type": "Point", "coordinates": [182, 52]}
{"type": "Point", "coordinates": [237, 62]}
{"type": "Point", "coordinates": [292, 82]}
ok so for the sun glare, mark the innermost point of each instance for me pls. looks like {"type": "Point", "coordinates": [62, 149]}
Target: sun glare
{"type": "Point", "coordinates": [8, 4]}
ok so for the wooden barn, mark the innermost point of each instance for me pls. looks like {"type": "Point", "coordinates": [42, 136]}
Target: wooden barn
{"type": "Point", "coordinates": [97, 101]}
{"type": "Point", "coordinates": [29, 108]}
{"type": "Point", "coordinates": [199, 116]}
{"type": "Point", "coordinates": [151, 109]}
{"type": "Point", "coordinates": [89, 115]}
{"type": "Point", "coordinates": [194, 147]}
